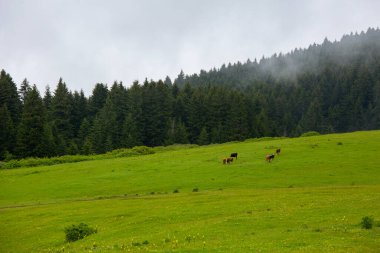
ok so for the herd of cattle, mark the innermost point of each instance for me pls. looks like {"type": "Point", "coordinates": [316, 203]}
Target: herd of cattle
{"type": "Point", "coordinates": [268, 158]}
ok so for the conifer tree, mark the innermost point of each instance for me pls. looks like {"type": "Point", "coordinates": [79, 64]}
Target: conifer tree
{"type": "Point", "coordinates": [130, 136]}
{"type": "Point", "coordinates": [97, 99]}
{"type": "Point", "coordinates": [24, 88]}
{"type": "Point", "coordinates": [83, 133]}
{"type": "Point", "coordinates": [61, 109]}
{"type": "Point", "coordinates": [7, 132]}
{"type": "Point", "coordinates": [104, 131]}
{"type": "Point", "coordinates": [31, 141]}
{"type": "Point", "coordinates": [9, 96]}
{"type": "Point", "coordinates": [203, 137]}
{"type": "Point", "coordinates": [181, 135]}
{"type": "Point", "coordinates": [78, 111]}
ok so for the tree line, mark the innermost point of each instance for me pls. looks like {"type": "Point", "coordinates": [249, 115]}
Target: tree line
{"type": "Point", "coordinates": [332, 87]}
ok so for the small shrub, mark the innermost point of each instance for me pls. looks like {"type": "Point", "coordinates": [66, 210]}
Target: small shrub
{"type": "Point", "coordinates": [195, 190]}
{"type": "Point", "coordinates": [311, 133]}
{"type": "Point", "coordinates": [367, 222]}
{"type": "Point", "coordinates": [8, 156]}
{"type": "Point", "coordinates": [339, 143]}
{"type": "Point", "coordinates": [176, 191]}
{"type": "Point", "coordinates": [143, 150]}
{"type": "Point", "coordinates": [77, 232]}
{"type": "Point", "coordinates": [145, 242]}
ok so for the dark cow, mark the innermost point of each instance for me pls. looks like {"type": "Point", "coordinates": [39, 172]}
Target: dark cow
{"type": "Point", "coordinates": [278, 151]}
{"type": "Point", "coordinates": [269, 158]}
{"type": "Point", "coordinates": [234, 155]}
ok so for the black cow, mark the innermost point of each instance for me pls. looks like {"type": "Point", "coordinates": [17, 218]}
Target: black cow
{"type": "Point", "coordinates": [234, 155]}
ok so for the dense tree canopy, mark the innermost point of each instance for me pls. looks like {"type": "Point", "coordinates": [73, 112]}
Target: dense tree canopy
{"type": "Point", "coordinates": [332, 87]}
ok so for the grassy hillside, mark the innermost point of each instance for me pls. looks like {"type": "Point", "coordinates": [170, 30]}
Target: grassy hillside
{"type": "Point", "coordinates": [311, 198]}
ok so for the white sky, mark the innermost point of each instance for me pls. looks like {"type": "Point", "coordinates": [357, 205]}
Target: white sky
{"type": "Point", "coordinates": [88, 41]}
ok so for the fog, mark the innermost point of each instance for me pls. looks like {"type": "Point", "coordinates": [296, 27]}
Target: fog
{"type": "Point", "coordinates": [86, 42]}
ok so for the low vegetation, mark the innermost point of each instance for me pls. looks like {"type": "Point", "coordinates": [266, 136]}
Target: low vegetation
{"type": "Point", "coordinates": [77, 232]}
{"type": "Point", "coordinates": [33, 162]}
{"type": "Point", "coordinates": [367, 222]}
{"type": "Point", "coordinates": [311, 133]}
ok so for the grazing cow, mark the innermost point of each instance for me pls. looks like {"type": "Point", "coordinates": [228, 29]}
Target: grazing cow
{"type": "Point", "coordinates": [234, 155]}
{"type": "Point", "coordinates": [269, 158]}
{"type": "Point", "coordinates": [228, 160]}
{"type": "Point", "coordinates": [278, 151]}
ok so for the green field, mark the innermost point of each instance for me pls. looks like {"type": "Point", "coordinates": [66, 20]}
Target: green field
{"type": "Point", "coordinates": [311, 198]}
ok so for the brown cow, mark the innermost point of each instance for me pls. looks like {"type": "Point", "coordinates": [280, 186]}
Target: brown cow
{"type": "Point", "coordinates": [269, 158]}
{"type": "Point", "coordinates": [228, 160]}
{"type": "Point", "coordinates": [278, 151]}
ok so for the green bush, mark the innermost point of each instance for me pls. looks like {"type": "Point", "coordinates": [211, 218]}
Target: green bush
{"type": "Point", "coordinates": [311, 133]}
{"type": "Point", "coordinates": [142, 150]}
{"type": "Point", "coordinates": [367, 222]}
{"type": "Point", "coordinates": [32, 161]}
{"type": "Point", "coordinates": [77, 232]}
{"type": "Point", "coordinates": [125, 152]}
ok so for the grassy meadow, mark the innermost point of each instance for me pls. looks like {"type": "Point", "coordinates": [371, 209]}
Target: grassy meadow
{"type": "Point", "coordinates": [311, 198]}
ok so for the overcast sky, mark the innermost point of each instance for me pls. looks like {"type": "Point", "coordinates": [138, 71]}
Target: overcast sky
{"type": "Point", "coordinates": [87, 41]}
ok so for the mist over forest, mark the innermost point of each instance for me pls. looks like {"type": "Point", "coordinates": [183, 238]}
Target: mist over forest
{"type": "Point", "coordinates": [328, 88]}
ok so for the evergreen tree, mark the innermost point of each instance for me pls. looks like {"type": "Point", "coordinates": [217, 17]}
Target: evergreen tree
{"type": "Point", "coordinates": [217, 134]}
{"type": "Point", "coordinates": [180, 80]}
{"type": "Point", "coordinates": [135, 101]}
{"type": "Point", "coordinates": [203, 137]}
{"type": "Point", "coordinates": [31, 139]}
{"type": "Point", "coordinates": [130, 136]}
{"type": "Point", "coordinates": [181, 135]}
{"type": "Point", "coordinates": [47, 102]}
{"type": "Point", "coordinates": [7, 132]}
{"type": "Point", "coordinates": [156, 109]}
{"type": "Point", "coordinates": [9, 96]}
{"type": "Point", "coordinates": [97, 99]}
{"type": "Point", "coordinates": [168, 81]}
{"type": "Point", "coordinates": [312, 120]}
{"type": "Point", "coordinates": [24, 88]}
{"type": "Point", "coordinates": [47, 98]}
{"type": "Point", "coordinates": [61, 113]}
{"type": "Point", "coordinates": [104, 131]}
{"type": "Point", "coordinates": [83, 133]}
{"type": "Point", "coordinates": [78, 111]}
{"type": "Point", "coordinates": [118, 97]}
